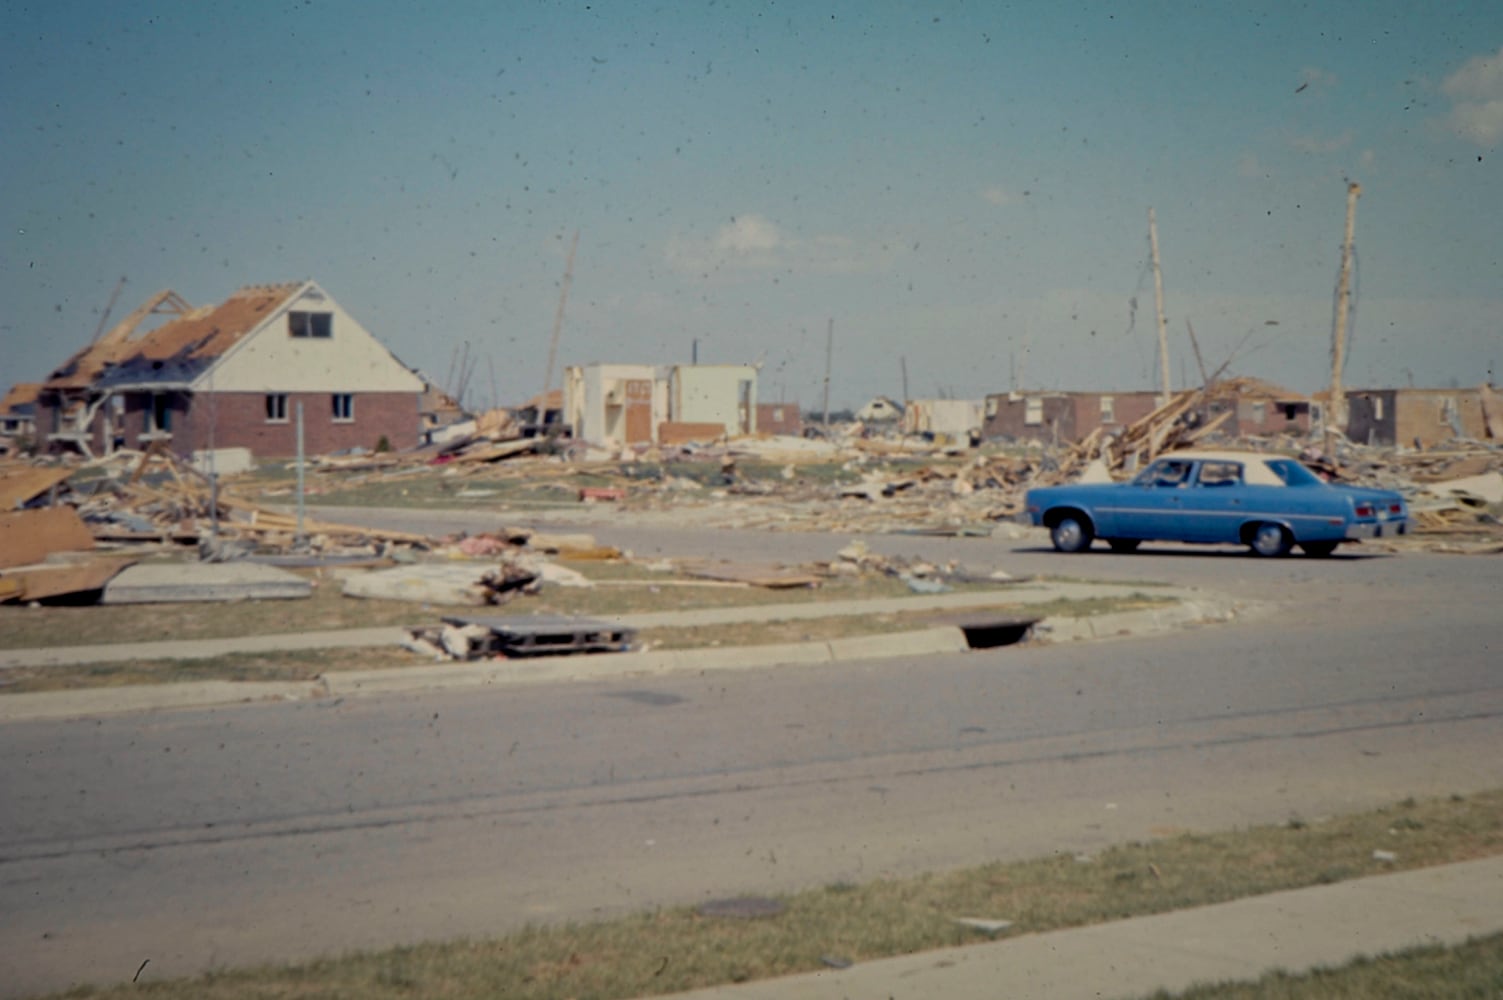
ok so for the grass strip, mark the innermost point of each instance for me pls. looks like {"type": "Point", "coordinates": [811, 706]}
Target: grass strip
{"type": "Point", "coordinates": [23, 627]}
{"type": "Point", "coordinates": [1470, 970]}
{"type": "Point", "coordinates": [677, 949]}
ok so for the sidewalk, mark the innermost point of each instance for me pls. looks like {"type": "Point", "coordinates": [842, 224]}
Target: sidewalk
{"type": "Point", "coordinates": [1188, 607]}
{"type": "Point", "coordinates": [1297, 930]}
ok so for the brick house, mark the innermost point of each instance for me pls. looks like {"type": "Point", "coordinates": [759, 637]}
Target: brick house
{"type": "Point", "coordinates": [1060, 416]}
{"type": "Point", "coordinates": [1256, 407]}
{"type": "Point", "coordinates": [1419, 417]}
{"type": "Point", "coordinates": [234, 375]}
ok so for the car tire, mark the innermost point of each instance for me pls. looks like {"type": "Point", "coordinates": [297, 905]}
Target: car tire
{"type": "Point", "coordinates": [1320, 550]}
{"type": "Point", "coordinates": [1123, 544]}
{"type": "Point", "coordinates": [1071, 534]}
{"type": "Point", "coordinates": [1269, 540]}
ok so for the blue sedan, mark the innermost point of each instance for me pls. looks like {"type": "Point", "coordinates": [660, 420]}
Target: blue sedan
{"type": "Point", "coordinates": [1267, 502]}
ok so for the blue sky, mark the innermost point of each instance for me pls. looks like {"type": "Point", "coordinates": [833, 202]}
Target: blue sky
{"type": "Point", "coordinates": [964, 186]}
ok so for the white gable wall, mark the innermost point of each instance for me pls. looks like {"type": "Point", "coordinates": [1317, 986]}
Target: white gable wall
{"type": "Point", "coordinates": [711, 394]}
{"type": "Point", "coordinates": [270, 359]}
{"type": "Point", "coordinates": [586, 392]}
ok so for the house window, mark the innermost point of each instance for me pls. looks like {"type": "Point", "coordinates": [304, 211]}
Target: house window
{"type": "Point", "coordinates": [310, 324]}
{"type": "Point", "coordinates": [1377, 407]}
{"type": "Point", "coordinates": [991, 406]}
{"type": "Point", "coordinates": [1448, 410]}
{"type": "Point", "coordinates": [1259, 413]}
{"type": "Point", "coordinates": [276, 408]}
{"type": "Point", "coordinates": [161, 413]}
{"type": "Point", "coordinates": [1108, 409]}
{"type": "Point", "coordinates": [1033, 410]}
{"type": "Point", "coordinates": [344, 407]}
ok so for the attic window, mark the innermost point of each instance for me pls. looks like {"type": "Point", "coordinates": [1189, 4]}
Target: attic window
{"type": "Point", "coordinates": [310, 324]}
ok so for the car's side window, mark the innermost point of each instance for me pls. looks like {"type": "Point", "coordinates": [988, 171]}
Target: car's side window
{"type": "Point", "coordinates": [1171, 474]}
{"type": "Point", "coordinates": [1220, 474]}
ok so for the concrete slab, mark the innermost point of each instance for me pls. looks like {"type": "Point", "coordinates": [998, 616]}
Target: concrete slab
{"type": "Point", "coordinates": [164, 583]}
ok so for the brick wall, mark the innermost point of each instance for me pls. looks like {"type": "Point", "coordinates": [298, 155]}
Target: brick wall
{"type": "Point", "coordinates": [239, 420]}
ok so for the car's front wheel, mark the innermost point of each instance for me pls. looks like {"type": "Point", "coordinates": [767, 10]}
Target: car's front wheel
{"type": "Point", "coordinates": [1270, 540]}
{"type": "Point", "coordinates": [1071, 533]}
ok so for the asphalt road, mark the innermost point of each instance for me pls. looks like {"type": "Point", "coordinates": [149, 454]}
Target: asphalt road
{"type": "Point", "coordinates": [200, 839]}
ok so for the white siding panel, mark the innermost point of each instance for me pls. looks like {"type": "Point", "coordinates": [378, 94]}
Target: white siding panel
{"type": "Point", "coordinates": [271, 360]}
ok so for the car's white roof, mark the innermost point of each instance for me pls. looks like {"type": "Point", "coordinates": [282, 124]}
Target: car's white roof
{"type": "Point", "coordinates": [1254, 463]}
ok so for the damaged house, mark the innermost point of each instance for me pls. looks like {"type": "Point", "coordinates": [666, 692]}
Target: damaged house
{"type": "Point", "coordinates": [1237, 406]}
{"type": "Point", "coordinates": [233, 375]}
{"type": "Point", "coordinates": [1423, 418]}
{"type": "Point", "coordinates": [18, 415]}
{"type": "Point", "coordinates": [616, 405]}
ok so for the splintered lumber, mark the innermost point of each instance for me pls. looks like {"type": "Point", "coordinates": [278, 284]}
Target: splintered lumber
{"type": "Point", "coordinates": [262, 520]}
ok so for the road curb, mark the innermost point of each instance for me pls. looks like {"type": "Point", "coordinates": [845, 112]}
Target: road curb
{"type": "Point", "coordinates": [600, 666]}
{"type": "Point", "coordinates": [1191, 609]}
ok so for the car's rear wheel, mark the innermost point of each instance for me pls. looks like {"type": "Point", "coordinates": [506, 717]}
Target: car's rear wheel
{"type": "Point", "coordinates": [1071, 533]}
{"type": "Point", "coordinates": [1123, 544]}
{"type": "Point", "coordinates": [1270, 540]}
{"type": "Point", "coordinates": [1319, 550]}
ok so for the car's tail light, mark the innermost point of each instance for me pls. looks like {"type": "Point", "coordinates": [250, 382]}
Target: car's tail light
{"type": "Point", "coordinates": [1364, 510]}
{"type": "Point", "coordinates": [1395, 508]}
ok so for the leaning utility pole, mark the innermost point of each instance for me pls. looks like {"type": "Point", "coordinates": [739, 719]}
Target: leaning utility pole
{"type": "Point", "coordinates": [558, 329]}
{"type": "Point", "coordinates": [829, 356]}
{"type": "Point", "coordinates": [1336, 406]}
{"type": "Point", "coordinates": [1158, 299]}
{"type": "Point", "coordinates": [1205, 380]}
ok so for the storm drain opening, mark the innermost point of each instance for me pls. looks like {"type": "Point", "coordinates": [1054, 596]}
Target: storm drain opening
{"type": "Point", "coordinates": [990, 633]}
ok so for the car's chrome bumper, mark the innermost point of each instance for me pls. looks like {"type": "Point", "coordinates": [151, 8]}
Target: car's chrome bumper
{"type": "Point", "coordinates": [1377, 529]}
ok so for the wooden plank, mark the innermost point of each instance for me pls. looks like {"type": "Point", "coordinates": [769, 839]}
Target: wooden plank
{"type": "Point", "coordinates": [21, 486]}
{"type": "Point", "coordinates": [753, 575]}
{"type": "Point", "coordinates": [29, 536]}
{"type": "Point", "coordinates": [37, 583]}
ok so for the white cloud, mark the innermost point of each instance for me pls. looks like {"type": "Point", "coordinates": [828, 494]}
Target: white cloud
{"type": "Point", "coordinates": [753, 242]}
{"type": "Point", "coordinates": [1477, 89]}
{"type": "Point", "coordinates": [748, 234]}
{"type": "Point", "coordinates": [1322, 144]}
{"type": "Point", "coordinates": [998, 196]}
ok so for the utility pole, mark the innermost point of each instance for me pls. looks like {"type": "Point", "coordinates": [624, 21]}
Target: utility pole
{"type": "Point", "coordinates": [903, 363]}
{"type": "Point", "coordinates": [558, 329]}
{"type": "Point", "coordinates": [1336, 406]}
{"type": "Point", "coordinates": [829, 357]}
{"type": "Point", "coordinates": [1158, 299]}
{"type": "Point", "coordinates": [1205, 380]}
